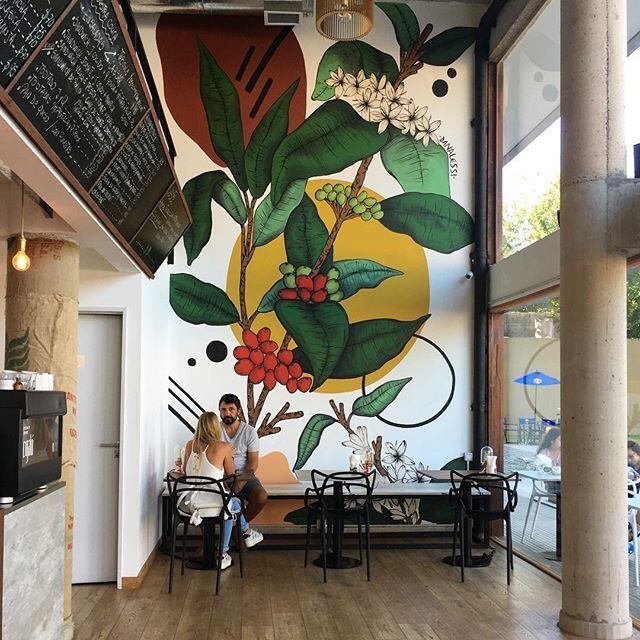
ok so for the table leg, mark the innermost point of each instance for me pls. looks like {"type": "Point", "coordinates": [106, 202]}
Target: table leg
{"type": "Point", "coordinates": [208, 560]}
{"type": "Point", "coordinates": [557, 554]}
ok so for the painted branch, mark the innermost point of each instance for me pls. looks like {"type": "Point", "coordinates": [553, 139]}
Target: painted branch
{"type": "Point", "coordinates": [377, 457]}
{"type": "Point", "coordinates": [250, 400]}
{"type": "Point", "coordinates": [268, 425]}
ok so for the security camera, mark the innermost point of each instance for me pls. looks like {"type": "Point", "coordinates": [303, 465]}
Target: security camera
{"type": "Point", "coordinates": [468, 275]}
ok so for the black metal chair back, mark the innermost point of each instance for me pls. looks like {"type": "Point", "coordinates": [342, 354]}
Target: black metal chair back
{"type": "Point", "coordinates": [357, 490]}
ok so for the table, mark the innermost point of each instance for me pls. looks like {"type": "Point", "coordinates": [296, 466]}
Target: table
{"type": "Point", "coordinates": [634, 505]}
{"type": "Point", "coordinates": [545, 476]}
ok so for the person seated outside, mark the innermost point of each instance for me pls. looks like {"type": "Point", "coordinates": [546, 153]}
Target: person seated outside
{"type": "Point", "coordinates": [209, 456]}
{"type": "Point", "coordinates": [633, 456]}
{"type": "Point", "coordinates": [550, 447]}
{"type": "Point", "coordinates": [244, 440]}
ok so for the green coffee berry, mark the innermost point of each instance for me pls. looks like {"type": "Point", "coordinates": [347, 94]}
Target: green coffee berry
{"type": "Point", "coordinates": [289, 281]}
{"type": "Point", "coordinates": [353, 202]}
{"type": "Point", "coordinates": [303, 271]}
{"type": "Point", "coordinates": [333, 274]}
{"type": "Point", "coordinates": [369, 202]}
{"type": "Point", "coordinates": [331, 196]}
{"type": "Point", "coordinates": [347, 191]}
{"type": "Point", "coordinates": [338, 188]}
{"type": "Point", "coordinates": [376, 207]}
{"type": "Point", "coordinates": [362, 196]}
{"type": "Point", "coordinates": [377, 215]}
{"type": "Point", "coordinates": [341, 198]}
{"type": "Point", "coordinates": [327, 187]}
{"type": "Point", "coordinates": [366, 216]}
{"type": "Point", "coordinates": [320, 195]}
{"type": "Point", "coordinates": [332, 286]}
{"type": "Point", "coordinates": [359, 209]}
{"type": "Point", "coordinates": [286, 267]}
{"type": "Point", "coordinates": [337, 296]}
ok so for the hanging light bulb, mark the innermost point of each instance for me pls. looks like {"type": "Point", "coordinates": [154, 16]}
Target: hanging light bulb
{"type": "Point", "coordinates": [21, 261]}
{"type": "Point", "coordinates": [344, 19]}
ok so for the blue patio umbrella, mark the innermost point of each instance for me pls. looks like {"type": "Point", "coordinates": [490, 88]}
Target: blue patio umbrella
{"type": "Point", "coordinates": [537, 379]}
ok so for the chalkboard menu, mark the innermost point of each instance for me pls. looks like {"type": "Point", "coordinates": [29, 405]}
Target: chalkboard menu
{"type": "Point", "coordinates": [23, 24]}
{"type": "Point", "coordinates": [69, 77]}
{"type": "Point", "coordinates": [160, 232]}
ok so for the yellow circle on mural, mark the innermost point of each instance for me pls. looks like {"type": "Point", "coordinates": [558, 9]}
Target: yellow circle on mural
{"type": "Point", "coordinates": [402, 297]}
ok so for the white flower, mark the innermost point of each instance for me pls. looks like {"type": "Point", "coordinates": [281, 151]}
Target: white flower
{"type": "Point", "coordinates": [338, 80]}
{"type": "Point", "coordinates": [414, 476]}
{"type": "Point", "coordinates": [426, 129]}
{"type": "Point", "coordinates": [366, 104]}
{"type": "Point", "coordinates": [401, 509]}
{"type": "Point", "coordinates": [359, 82]}
{"type": "Point", "coordinates": [395, 454]}
{"type": "Point", "coordinates": [378, 85]}
{"type": "Point", "coordinates": [413, 118]}
{"type": "Point", "coordinates": [388, 114]}
{"type": "Point", "coordinates": [396, 96]}
{"type": "Point", "coordinates": [358, 441]}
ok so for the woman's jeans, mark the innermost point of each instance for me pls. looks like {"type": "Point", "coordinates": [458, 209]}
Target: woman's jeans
{"type": "Point", "coordinates": [234, 507]}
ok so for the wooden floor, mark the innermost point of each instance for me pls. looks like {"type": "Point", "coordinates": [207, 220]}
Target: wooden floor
{"type": "Point", "coordinates": [412, 596]}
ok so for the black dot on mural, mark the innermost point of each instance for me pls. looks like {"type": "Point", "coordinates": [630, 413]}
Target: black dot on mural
{"type": "Point", "coordinates": [550, 92]}
{"type": "Point", "coordinates": [452, 73]}
{"type": "Point", "coordinates": [217, 351]}
{"type": "Point", "coordinates": [538, 77]}
{"type": "Point", "coordinates": [191, 362]}
{"type": "Point", "coordinates": [440, 88]}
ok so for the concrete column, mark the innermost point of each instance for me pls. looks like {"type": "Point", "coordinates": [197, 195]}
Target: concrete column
{"type": "Point", "coordinates": [41, 335]}
{"type": "Point", "coordinates": [595, 582]}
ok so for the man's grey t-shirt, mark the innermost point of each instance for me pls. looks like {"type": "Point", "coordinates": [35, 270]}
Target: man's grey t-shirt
{"type": "Point", "coordinates": [245, 441]}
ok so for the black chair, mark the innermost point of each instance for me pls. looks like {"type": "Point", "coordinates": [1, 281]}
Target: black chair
{"type": "Point", "coordinates": [188, 486]}
{"type": "Point", "coordinates": [502, 486]}
{"type": "Point", "coordinates": [356, 490]}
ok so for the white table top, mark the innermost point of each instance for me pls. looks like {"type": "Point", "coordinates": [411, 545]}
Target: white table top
{"type": "Point", "coordinates": [549, 476]}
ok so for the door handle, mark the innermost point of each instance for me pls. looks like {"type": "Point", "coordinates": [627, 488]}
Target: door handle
{"type": "Point", "coordinates": [110, 445]}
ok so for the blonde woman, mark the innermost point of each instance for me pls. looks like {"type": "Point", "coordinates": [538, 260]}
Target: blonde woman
{"type": "Point", "coordinates": [209, 456]}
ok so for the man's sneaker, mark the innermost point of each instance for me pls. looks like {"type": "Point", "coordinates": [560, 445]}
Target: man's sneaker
{"type": "Point", "coordinates": [252, 538]}
{"type": "Point", "coordinates": [227, 561]}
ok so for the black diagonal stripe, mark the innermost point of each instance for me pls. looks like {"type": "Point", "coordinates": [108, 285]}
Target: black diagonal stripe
{"type": "Point", "coordinates": [268, 54]}
{"type": "Point", "coordinates": [245, 62]}
{"type": "Point", "coordinates": [184, 422]}
{"type": "Point", "coordinates": [186, 394]}
{"type": "Point", "coordinates": [261, 97]}
{"type": "Point", "coordinates": [184, 404]}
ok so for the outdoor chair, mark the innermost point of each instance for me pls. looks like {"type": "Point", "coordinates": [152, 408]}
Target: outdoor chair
{"type": "Point", "coordinates": [633, 490]}
{"type": "Point", "coordinates": [188, 486]}
{"type": "Point", "coordinates": [538, 494]}
{"type": "Point", "coordinates": [320, 501]}
{"type": "Point", "coordinates": [503, 490]}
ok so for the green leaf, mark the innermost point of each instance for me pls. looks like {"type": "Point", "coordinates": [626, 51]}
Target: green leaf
{"type": "Point", "coordinates": [448, 46]}
{"type": "Point", "coordinates": [416, 167]}
{"type": "Point", "coordinates": [310, 437]}
{"type": "Point", "coordinates": [321, 330]}
{"type": "Point", "coordinates": [352, 57]}
{"type": "Point", "coordinates": [271, 220]}
{"type": "Point", "coordinates": [331, 139]}
{"type": "Point", "coordinates": [198, 193]}
{"type": "Point", "coordinates": [404, 22]}
{"type": "Point", "coordinates": [371, 344]}
{"type": "Point", "coordinates": [360, 273]}
{"type": "Point", "coordinates": [265, 140]}
{"type": "Point", "coordinates": [17, 352]}
{"type": "Point", "coordinates": [199, 302]}
{"type": "Point", "coordinates": [20, 342]}
{"type": "Point", "coordinates": [228, 196]}
{"type": "Point", "coordinates": [305, 236]}
{"type": "Point", "coordinates": [433, 221]}
{"type": "Point", "coordinates": [220, 100]}
{"type": "Point", "coordinates": [270, 298]}
{"type": "Point", "coordinates": [374, 403]}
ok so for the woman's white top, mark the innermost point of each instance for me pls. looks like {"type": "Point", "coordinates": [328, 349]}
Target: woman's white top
{"type": "Point", "coordinates": [201, 504]}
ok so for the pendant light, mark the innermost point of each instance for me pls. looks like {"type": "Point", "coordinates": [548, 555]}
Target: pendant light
{"type": "Point", "coordinates": [21, 261]}
{"type": "Point", "coordinates": [344, 19]}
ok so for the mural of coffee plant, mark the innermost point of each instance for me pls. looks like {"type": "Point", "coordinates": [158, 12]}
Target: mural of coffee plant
{"type": "Point", "coordinates": [364, 110]}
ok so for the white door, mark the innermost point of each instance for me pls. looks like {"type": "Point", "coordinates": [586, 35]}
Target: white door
{"type": "Point", "coordinates": [95, 537]}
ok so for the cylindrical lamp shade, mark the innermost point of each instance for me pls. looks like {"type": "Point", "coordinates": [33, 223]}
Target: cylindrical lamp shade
{"type": "Point", "coordinates": [344, 19]}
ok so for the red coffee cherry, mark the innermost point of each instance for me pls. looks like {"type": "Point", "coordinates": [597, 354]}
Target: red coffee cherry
{"type": "Point", "coordinates": [304, 384]}
{"type": "Point", "coordinates": [292, 385]}
{"type": "Point", "coordinates": [250, 339]}
{"type": "Point", "coordinates": [288, 294]}
{"type": "Point", "coordinates": [319, 296]}
{"type": "Point", "coordinates": [257, 375]}
{"type": "Point", "coordinates": [270, 362]}
{"type": "Point", "coordinates": [319, 282]}
{"type": "Point", "coordinates": [281, 373]}
{"type": "Point", "coordinates": [257, 357]}
{"type": "Point", "coordinates": [269, 380]}
{"type": "Point", "coordinates": [286, 356]}
{"type": "Point", "coordinates": [304, 282]}
{"type": "Point", "coordinates": [295, 370]}
{"type": "Point", "coordinates": [241, 352]}
{"type": "Point", "coordinates": [305, 294]}
{"type": "Point", "coordinates": [243, 367]}
{"type": "Point", "coordinates": [268, 346]}
{"type": "Point", "coordinates": [264, 334]}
